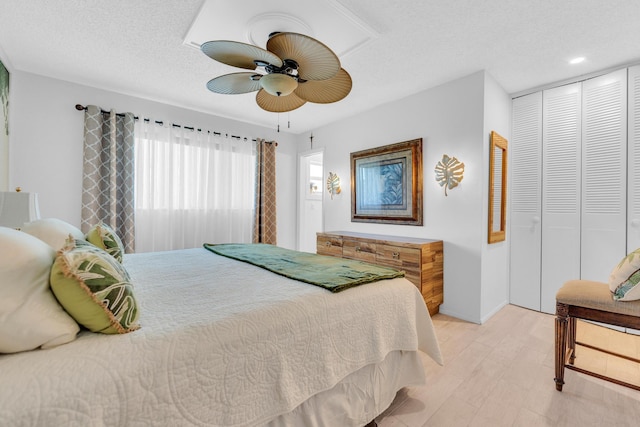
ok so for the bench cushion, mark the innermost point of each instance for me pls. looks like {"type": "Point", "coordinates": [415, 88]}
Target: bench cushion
{"type": "Point", "coordinates": [596, 295]}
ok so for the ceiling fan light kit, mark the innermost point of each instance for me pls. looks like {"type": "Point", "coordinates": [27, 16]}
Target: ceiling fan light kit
{"type": "Point", "coordinates": [297, 69]}
{"type": "Point", "coordinates": [278, 84]}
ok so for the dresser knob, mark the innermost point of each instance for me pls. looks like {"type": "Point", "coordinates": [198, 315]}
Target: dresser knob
{"type": "Point", "coordinates": [358, 249]}
{"type": "Point", "coordinates": [327, 244]}
{"type": "Point", "coordinates": [396, 255]}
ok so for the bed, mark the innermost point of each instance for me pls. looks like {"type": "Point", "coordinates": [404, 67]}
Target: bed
{"type": "Point", "coordinates": [226, 343]}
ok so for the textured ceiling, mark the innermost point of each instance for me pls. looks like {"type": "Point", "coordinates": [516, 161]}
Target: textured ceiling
{"type": "Point", "coordinates": [138, 47]}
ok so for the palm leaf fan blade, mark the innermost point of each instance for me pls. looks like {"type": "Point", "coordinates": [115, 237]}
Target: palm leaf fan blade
{"type": "Point", "coordinates": [325, 91]}
{"type": "Point", "coordinates": [234, 83]}
{"type": "Point", "coordinates": [278, 104]}
{"type": "Point", "coordinates": [315, 60]}
{"type": "Point", "coordinates": [238, 54]}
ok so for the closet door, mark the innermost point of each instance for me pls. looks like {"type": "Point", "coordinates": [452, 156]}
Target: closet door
{"type": "Point", "coordinates": [604, 174]}
{"type": "Point", "coordinates": [633, 164]}
{"type": "Point", "coordinates": [525, 149]}
{"type": "Point", "coordinates": [561, 179]}
{"type": "Point", "coordinates": [633, 197]}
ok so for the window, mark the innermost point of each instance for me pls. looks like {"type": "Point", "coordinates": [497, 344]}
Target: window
{"type": "Point", "coordinates": [192, 188]}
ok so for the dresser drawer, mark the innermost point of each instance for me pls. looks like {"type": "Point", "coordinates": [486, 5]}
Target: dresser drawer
{"type": "Point", "coordinates": [328, 245]}
{"type": "Point", "coordinates": [399, 257]}
{"type": "Point", "coordinates": [362, 251]}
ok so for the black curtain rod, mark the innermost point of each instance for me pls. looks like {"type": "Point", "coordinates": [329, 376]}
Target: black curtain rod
{"type": "Point", "coordinates": [161, 123]}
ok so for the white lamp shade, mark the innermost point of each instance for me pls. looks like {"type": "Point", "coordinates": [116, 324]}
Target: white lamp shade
{"type": "Point", "coordinates": [278, 84]}
{"type": "Point", "coordinates": [18, 208]}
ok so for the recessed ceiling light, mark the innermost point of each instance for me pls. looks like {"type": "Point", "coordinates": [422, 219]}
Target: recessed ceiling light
{"type": "Point", "coordinates": [577, 60]}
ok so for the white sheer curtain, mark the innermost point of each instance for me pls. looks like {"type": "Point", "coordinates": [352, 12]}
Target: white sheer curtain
{"type": "Point", "coordinates": [192, 187]}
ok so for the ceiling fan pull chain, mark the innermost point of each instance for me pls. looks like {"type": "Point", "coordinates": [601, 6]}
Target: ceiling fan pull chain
{"type": "Point", "coordinates": [278, 122]}
{"type": "Point", "coordinates": [288, 120]}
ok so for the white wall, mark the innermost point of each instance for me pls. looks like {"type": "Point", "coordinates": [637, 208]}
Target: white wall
{"type": "Point", "coordinates": [495, 256]}
{"type": "Point", "coordinates": [450, 119]}
{"type": "Point", "coordinates": [46, 134]}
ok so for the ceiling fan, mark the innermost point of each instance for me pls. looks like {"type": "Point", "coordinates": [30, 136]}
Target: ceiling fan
{"type": "Point", "coordinates": [297, 69]}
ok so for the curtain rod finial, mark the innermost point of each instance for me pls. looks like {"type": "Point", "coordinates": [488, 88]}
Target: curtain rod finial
{"type": "Point", "coordinates": [79, 107]}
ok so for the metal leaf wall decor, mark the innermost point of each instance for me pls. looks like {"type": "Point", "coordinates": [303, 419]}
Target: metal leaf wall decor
{"type": "Point", "coordinates": [333, 184]}
{"type": "Point", "coordinates": [449, 172]}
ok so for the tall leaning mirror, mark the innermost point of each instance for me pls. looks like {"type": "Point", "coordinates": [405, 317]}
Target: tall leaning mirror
{"type": "Point", "coordinates": [497, 188]}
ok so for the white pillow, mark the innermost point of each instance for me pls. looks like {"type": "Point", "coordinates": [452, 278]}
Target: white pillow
{"type": "Point", "coordinates": [625, 277]}
{"type": "Point", "coordinates": [52, 231]}
{"type": "Point", "coordinates": [30, 316]}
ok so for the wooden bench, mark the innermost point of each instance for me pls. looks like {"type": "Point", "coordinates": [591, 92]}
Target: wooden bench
{"type": "Point", "coordinates": [584, 299]}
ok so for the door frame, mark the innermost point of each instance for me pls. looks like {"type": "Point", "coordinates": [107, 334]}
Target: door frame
{"type": "Point", "coordinates": [299, 189]}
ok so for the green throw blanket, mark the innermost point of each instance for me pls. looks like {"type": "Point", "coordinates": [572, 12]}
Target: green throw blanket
{"type": "Point", "coordinates": [334, 274]}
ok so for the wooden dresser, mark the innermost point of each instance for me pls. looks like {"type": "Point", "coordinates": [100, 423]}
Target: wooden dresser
{"type": "Point", "coordinates": [421, 259]}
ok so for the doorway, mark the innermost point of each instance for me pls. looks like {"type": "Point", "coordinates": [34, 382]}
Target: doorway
{"type": "Point", "coordinates": [310, 194]}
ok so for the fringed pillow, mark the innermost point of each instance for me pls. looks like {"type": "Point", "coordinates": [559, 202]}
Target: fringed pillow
{"type": "Point", "coordinates": [624, 278]}
{"type": "Point", "coordinates": [104, 237]}
{"type": "Point", "coordinates": [94, 288]}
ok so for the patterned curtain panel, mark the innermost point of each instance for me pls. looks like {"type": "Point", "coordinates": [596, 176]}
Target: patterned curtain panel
{"type": "Point", "coordinates": [264, 229]}
{"type": "Point", "coordinates": [107, 184]}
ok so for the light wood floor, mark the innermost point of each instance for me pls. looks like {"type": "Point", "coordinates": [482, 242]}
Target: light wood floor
{"type": "Point", "coordinates": [501, 374]}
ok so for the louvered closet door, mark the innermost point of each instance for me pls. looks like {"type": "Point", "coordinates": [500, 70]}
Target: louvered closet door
{"type": "Point", "coordinates": [604, 174]}
{"type": "Point", "coordinates": [633, 164]}
{"type": "Point", "coordinates": [560, 191]}
{"type": "Point", "coordinates": [633, 135]}
{"type": "Point", "coordinates": [525, 201]}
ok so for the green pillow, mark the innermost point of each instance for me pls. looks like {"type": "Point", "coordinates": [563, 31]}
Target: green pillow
{"type": "Point", "coordinates": [624, 278]}
{"type": "Point", "coordinates": [94, 288]}
{"type": "Point", "coordinates": [105, 238]}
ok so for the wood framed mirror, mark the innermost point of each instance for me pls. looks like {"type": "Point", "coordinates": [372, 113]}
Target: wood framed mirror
{"type": "Point", "coordinates": [497, 188]}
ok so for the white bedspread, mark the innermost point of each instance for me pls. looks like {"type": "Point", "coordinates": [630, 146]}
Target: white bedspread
{"type": "Point", "coordinates": [222, 343]}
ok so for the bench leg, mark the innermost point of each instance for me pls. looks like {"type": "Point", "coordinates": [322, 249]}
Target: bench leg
{"type": "Point", "coordinates": [572, 339]}
{"type": "Point", "coordinates": [562, 313]}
